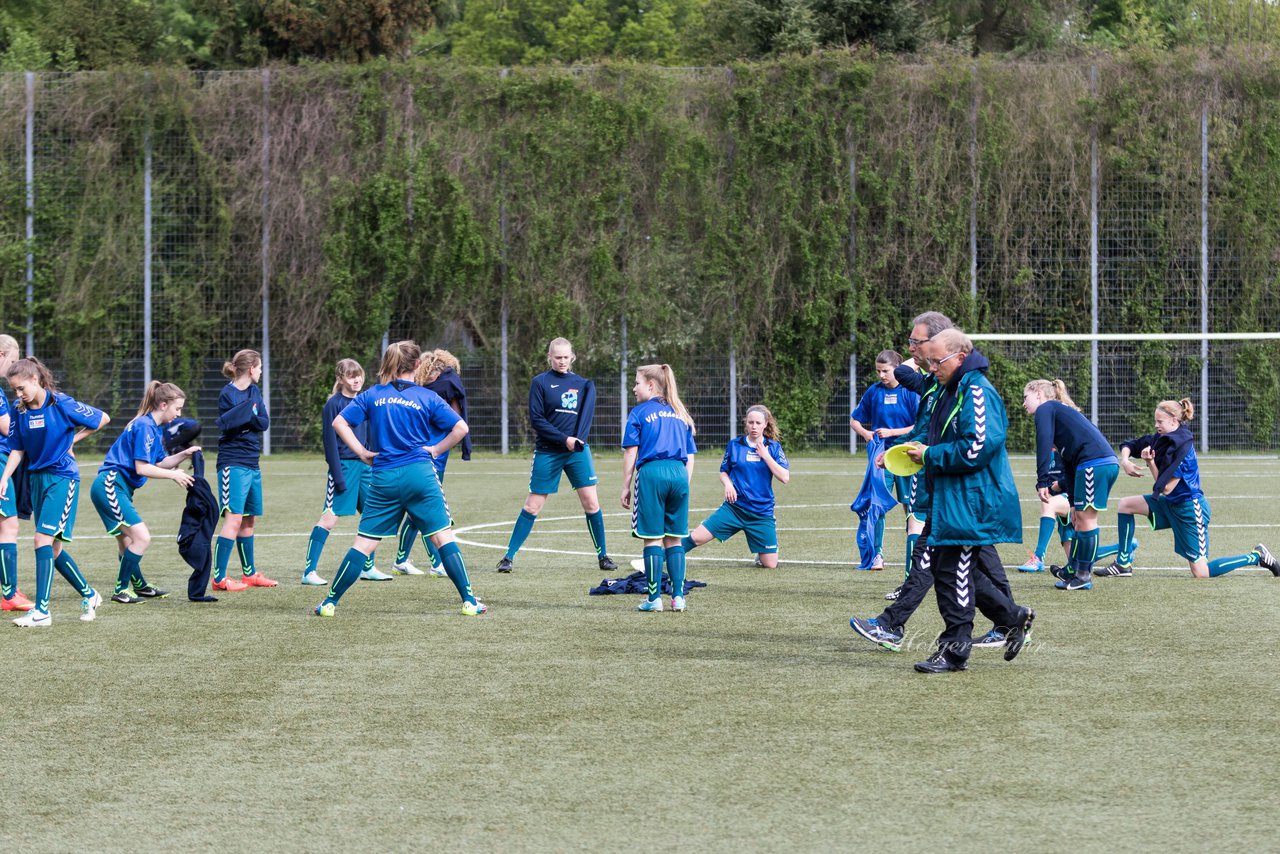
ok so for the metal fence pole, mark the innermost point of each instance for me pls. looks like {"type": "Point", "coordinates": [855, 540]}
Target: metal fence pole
{"type": "Point", "coordinates": [1093, 253]}
{"type": "Point", "coordinates": [266, 252]}
{"type": "Point", "coordinates": [622, 380]}
{"type": "Point", "coordinates": [146, 251]}
{"type": "Point", "coordinates": [973, 195]}
{"type": "Point", "coordinates": [733, 387]}
{"type": "Point", "coordinates": [31, 210]}
{"type": "Point", "coordinates": [502, 271]}
{"type": "Point", "coordinates": [850, 259]}
{"type": "Point", "coordinates": [1204, 277]}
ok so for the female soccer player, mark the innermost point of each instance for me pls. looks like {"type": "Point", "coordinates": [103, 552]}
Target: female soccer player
{"type": "Point", "coordinates": [890, 411]}
{"type": "Point", "coordinates": [402, 415]}
{"type": "Point", "coordinates": [1089, 469]}
{"type": "Point", "coordinates": [1055, 514]}
{"type": "Point", "coordinates": [1176, 500]}
{"type": "Point", "coordinates": [658, 451]}
{"type": "Point", "coordinates": [348, 479]}
{"type": "Point", "coordinates": [750, 464]}
{"type": "Point", "coordinates": [13, 600]}
{"type": "Point", "coordinates": [48, 424]}
{"type": "Point", "coordinates": [242, 417]}
{"type": "Point", "coordinates": [135, 456]}
{"type": "Point", "coordinates": [440, 372]}
{"type": "Point", "coordinates": [561, 405]}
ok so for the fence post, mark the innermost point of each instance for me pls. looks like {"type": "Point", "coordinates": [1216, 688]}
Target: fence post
{"type": "Point", "coordinates": [266, 252]}
{"type": "Point", "coordinates": [973, 194]}
{"type": "Point", "coordinates": [733, 387]}
{"type": "Point", "coordinates": [30, 157]}
{"type": "Point", "coordinates": [1204, 277]}
{"type": "Point", "coordinates": [850, 258]}
{"type": "Point", "coordinates": [502, 272]}
{"type": "Point", "coordinates": [1093, 252]}
{"type": "Point", "coordinates": [146, 244]}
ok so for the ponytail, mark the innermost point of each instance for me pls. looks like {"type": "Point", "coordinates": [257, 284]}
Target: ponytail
{"type": "Point", "coordinates": [31, 368]}
{"type": "Point", "coordinates": [665, 378]}
{"type": "Point", "coordinates": [400, 358]}
{"type": "Point", "coordinates": [1183, 410]}
{"type": "Point", "coordinates": [241, 363]}
{"type": "Point", "coordinates": [158, 393]}
{"type": "Point", "coordinates": [1051, 390]}
{"type": "Point", "coordinates": [770, 423]}
{"type": "Point", "coordinates": [346, 368]}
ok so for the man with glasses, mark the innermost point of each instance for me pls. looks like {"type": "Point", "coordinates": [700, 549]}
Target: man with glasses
{"type": "Point", "coordinates": [975, 503]}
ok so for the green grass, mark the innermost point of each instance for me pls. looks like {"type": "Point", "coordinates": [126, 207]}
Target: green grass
{"type": "Point", "coordinates": [1141, 717]}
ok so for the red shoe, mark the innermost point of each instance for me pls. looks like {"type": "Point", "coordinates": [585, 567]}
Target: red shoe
{"type": "Point", "coordinates": [18, 602]}
{"type": "Point", "coordinates": [229, 584]}
{"type": "Point", "coordinates": [259, 580]}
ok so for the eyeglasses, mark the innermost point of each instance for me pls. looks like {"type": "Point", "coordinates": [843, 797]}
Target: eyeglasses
{"type": "Point", "coordinates": [916, 342]}
{"type": "Point", "coordinates": [933, 363]}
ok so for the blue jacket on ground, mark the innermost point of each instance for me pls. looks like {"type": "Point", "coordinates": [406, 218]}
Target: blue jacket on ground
{"type": "Point", "coordinates": [975, 501]}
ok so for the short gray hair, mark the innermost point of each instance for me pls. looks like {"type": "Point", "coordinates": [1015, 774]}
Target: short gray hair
{"type": "Point", "coordinates": [934, 321]}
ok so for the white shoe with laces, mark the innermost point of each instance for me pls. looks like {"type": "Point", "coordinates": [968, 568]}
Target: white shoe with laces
{"type": "Point", "coordinates": [408, 568]}
{"type": "Point", "coordinates": [89, 607]}
{"type": "Point", "coordinates": [34, 619]}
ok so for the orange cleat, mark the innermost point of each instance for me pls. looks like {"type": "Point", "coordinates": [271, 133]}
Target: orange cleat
{"type": "Point", "coordinates": [18, 602]}
{"type": "Point", "coordinates": [229, 584]}
{"type": "Point", "coordinates": [259, 580]}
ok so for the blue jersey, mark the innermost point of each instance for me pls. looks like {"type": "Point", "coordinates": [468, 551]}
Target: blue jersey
{"type": "Point", "coordinates": [1175, 456]}
{"type": "Point", "coordinates": [750, 475]}
{"type": "Point", "coordinates": [658, 432]}
{"type": "Point", "coordinates": [1077, 440]}
{"type": "Point", "coordinates": [402, 416]}
{"type": "Point", "coordinates": [336, 450]}
{"type": "Point", "coordinates": [4, 410]}
{"type": "Point", "coordinates": [242, 418]}
{"type": "Point", "coordinates": [141, 440]}
{"type": "Point", "coordinates": [560, 406]}
{"type": "Point", "coordinates": [882, 406]}
{"type": "Point", "coordinates": [449, 386]}
{"type": "Point", "coordinates": [44, 435]}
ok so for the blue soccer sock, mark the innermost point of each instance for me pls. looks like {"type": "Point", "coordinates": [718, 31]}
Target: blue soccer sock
{"type": "Point", "coordinates": [1084, 551]}
{"type": "Point", "coordinates": [675, 568]}
{"type": "Point", "coordinates": [433, 551]}
{"type": "Point", "coordinates": [44, 577]}
{"type": "Point", "coordinates": [880, 535]}
{"type": "Point", "coordinates": [911, 547]}
{"type": "Point", "coordinates": [1047, 526]}
{"type": "Point", "coordinates": [244, 545]}
{"type": "Point", "coordinates": [1124, 552]}
{"type": "Point", "coordinates": [348, 572]}
{"type": "Point", "coordinates": [456, 568]}
{"type": "Point", "coordinates": [1109, 550]}
{"type": "Point", "coordinates": [653, 571]}
{"type": "Point", "coordinates": [8, 569]}
{"type": "Point", "coordinates": [404, 539]}
{"type": "Point", "coordinates": [688, 544]}
{"type": "Point", "coordinates": [222, 548]}
{"type": "Point", "coordinates": [595, 527]}
{"type": "Point", "coordinates": [130, 566]}
{"type": "Point", "coordinates": [67, 569]}
{"type": "Point", "coordinates": [315, 548]}
{"type": "Point", "coordinates": [1223, 565]}
{"type": "Point", "coordinates": [524, 524]}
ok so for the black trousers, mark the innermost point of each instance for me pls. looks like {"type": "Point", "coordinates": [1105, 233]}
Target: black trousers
{"type": "Point", "coordinates": [965, 576]}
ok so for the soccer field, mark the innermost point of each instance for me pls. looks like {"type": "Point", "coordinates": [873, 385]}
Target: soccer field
{"type": "Point", "coordinates": [1141, 716]}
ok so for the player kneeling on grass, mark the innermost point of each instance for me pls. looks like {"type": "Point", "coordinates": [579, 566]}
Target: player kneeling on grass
{"type": "Point", "coordinates": [48, 424]}
{"type": "Point", "coordinates": [750, 464]}
{"type": "Point", "coordinates": [1176, 500]}
{"type": "Point", "coordinates": [658, 450]}
{"type": "Point", "coordinates": [402, 415]}
{"type": "Point", "coordinates": [135, 456]}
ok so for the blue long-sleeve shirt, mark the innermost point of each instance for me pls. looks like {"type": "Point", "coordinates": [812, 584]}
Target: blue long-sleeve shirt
{"type": "Point", "coordinates": [560, 406]}
{"type": "Point", "coordinates": [242, 418]}
{"type": "Point", "coordinates": [1175, 456]}
{"type": "Point", "coordinates": [1078, 442]}
{"type": "Point", "coordinates": [449, 386]}
{"type": "Point", "coordinates": [336, 450]}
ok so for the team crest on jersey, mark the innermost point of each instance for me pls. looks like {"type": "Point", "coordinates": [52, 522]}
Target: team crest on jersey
{"type": "Point", "coordinates": [36, 422]}
{"type": "Point", "coordinates": [569, 400]}
{"type": "Point", "coordinates": [891, 399]}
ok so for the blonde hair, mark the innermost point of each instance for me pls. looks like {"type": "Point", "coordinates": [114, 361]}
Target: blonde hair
{"type": "Point", "coordinates": [9, 344]}
{"type": "Point", "coordinates": [400, 358]}
{"type": "Point", "coordinates": [770, 423]}
{"type": "Point", "coordinates": [434, 364]}
{"type": "Point", "coordinates": [241, 363]}
{"type": "Point", "coordinates": [1182, 410]}
{"type": "Point", "coordinates": [346, 368]}
{"type": "Point", "coordinates": [665, 379]}
{"type": "Point", "coordinates": [158, 393]}
{"type": "Point", "coordinates": [561, 342]}
{"type": "Point", "coordinates": [1051, 390]}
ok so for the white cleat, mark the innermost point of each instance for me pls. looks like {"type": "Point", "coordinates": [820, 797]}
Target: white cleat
{"type": "Point", "coordinates": [34, 620]}
{"type": "Point", "coordinates": [408, 568]}
{"type": "Point", "coordinates": [89, 607]}
{"type": "Point", "coordinates": [313, 579]}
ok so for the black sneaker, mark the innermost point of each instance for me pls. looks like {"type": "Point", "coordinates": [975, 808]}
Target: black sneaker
{"type": "Point", "coordinates": [939, 663]}
{"type": "Point", "coordinates": [1060, 572]}
{"type": "Point", "coordinates": [124, 598]}
{"type": "Point", "coordinates": [992, 638]}
{"type": "Point", "coordinates": [1266, 559]}
{"type": "Point", "coordinates": [1116, 570]}
{"type": "Point", "coordinates": [606, 564]}
{"type": "Point", "coordinates": [150, 592]}
{"type": "Point", "coordinates": [892, 595]}
{"type": "Point", "coordinates": [504, 565]}
{"type": "Point", "coordinates": [1018, 635]}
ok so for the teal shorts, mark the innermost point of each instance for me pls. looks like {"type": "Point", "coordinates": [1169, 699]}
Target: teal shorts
{"type": "Point", "coordinates": [1189, 521]}
{"type": "Point", "coordinates": [112, 497]}
{"type": "Point", "coordinates": [9, 502]}
{"type": "Point", "coordinates": [729, 519]}
{"type": "Point", "coordinates": [349, 502]}
{"type": "Point", "coordinates": [53, 504]}
{"type": "Point", "coordinates": [412, 490]}
{"type": "Point", "coordinates": [1066, 530]}
{"type": "Point", "coordinates": [660, 501]}
{"type": "Point", "coordinates": [544, 476]}
{"type": "Point", "coordinates": [1092, 486]}
{"type": "Point", "coordinates": [240, 491]}
{"type": "Point", "coordinates": [911, 493]}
